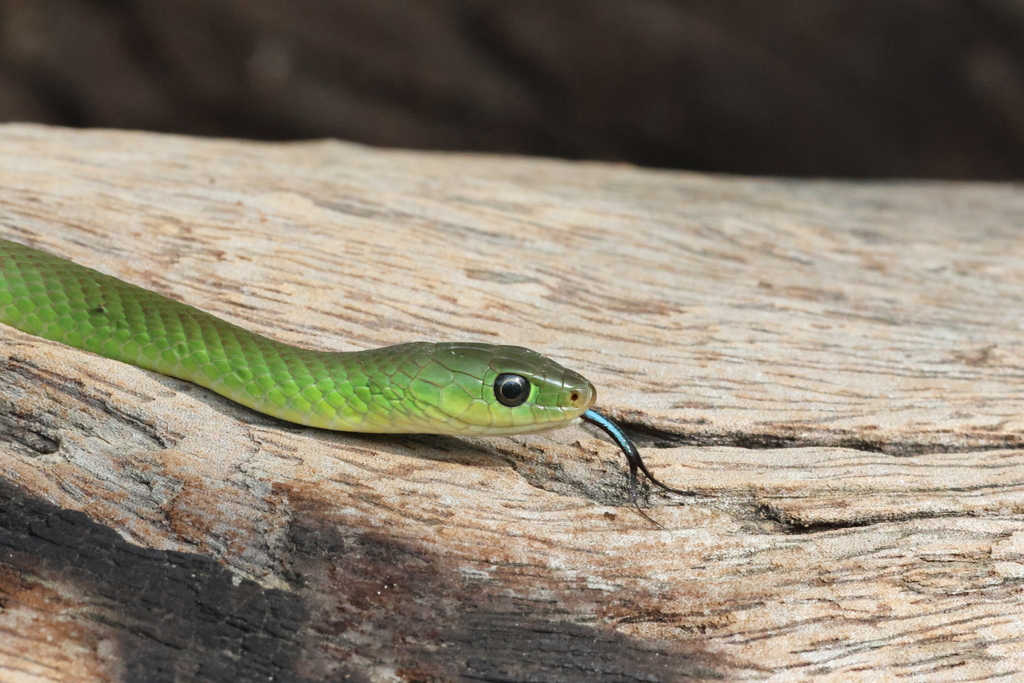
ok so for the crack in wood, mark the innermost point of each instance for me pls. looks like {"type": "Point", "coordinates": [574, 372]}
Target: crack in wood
{"type": "Point", "coordinates": [646, 436]}
{"type": "Point", "coordinates": [74, 389]}
{"type": "Point", "coordinates": [24, 433]}
{"type": "Point", "coordinates": [792, 525]}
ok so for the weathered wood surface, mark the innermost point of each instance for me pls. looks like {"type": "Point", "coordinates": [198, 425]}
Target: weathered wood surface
{"type": "Point", "coordinates": [836, 370]}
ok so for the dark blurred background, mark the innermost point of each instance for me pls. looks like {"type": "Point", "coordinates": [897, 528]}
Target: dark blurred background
{"type": "Point", "coordinates": [848, 88]}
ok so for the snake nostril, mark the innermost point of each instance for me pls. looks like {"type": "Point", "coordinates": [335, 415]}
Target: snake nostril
{"type": "Point", "coordinates": [574, 397]}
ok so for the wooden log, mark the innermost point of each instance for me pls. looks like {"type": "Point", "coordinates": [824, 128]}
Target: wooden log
{"type": "Point", "coordinates": [834, 368]}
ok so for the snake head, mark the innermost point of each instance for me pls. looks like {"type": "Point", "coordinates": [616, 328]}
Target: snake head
{"type": "Point", "coordinates": [486, 390]}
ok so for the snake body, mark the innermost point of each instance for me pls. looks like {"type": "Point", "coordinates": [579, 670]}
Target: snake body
{"type": "Point", "coordinates": [420, 387]}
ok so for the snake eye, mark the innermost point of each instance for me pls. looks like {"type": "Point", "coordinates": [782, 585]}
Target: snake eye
{"type": "Point", "coordinates": [511, 390]}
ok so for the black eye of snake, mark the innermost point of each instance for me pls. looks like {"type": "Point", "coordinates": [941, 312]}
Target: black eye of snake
{"type": "Point", "coordinates": [511, 390]}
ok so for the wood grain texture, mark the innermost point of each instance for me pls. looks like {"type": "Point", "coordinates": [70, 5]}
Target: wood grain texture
{"type": "Point", "coordinates": [836, 369]}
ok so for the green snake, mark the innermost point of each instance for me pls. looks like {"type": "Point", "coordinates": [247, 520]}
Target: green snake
{"type": "Point", "coordinates": [462, 389]}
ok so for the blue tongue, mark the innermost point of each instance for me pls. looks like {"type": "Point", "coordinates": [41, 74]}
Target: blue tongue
{"type": "Point", "coordinates": [632, 457]}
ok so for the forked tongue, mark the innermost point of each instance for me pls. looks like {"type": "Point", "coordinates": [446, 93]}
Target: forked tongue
{"type": "Point", "coordinates": [632, 457]}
